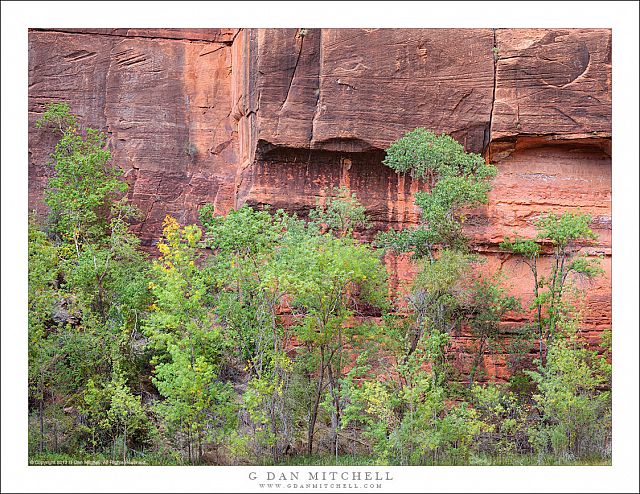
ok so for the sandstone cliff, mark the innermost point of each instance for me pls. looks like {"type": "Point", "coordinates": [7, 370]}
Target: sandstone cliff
{"type": "Point", "coordinates": [274, 116]}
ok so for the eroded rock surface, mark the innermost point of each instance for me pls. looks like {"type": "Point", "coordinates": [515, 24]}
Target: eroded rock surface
{"type": "Point", "coordinates": [355, 90]}
{"type": "Point", "coordinates": [554, 83]}
{"type": "Point", "coordinates": [165, 103]}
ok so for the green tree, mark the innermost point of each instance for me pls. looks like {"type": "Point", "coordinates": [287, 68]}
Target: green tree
{"type": "Point", "coordinates": [566, 233]}
{"type": "Point", "coordinates": [486, 305]}
{"type": "Point", "coordinates": [84, 183]}
{"type": "Point", "coordinates": [573, 399]}
{"type": "Point", "coordinates": [111, 411]}
{"type": "Point", "coordinates": [88, 279]}
{"type": "Point", "coordinates": [189, 345]}
{"type": "Point", "coordinates": [44, 270]}
{"type": "Point", "coordinates": [410, 420]}
{"type": "Point", "coordinates": [340, 213]}
{"type": "Point", "coordinates": [327, 279]}
{"type": "Point", "coordinates": [456, 180]}
{"type": "Point", "coordinates": [197, 404]}
{"type": "Point", "coordinates": [507, 419]}
{"type": "Point", "coordinates": [439, 300]}
{"type": "Point", "coordinates": [244, 243]}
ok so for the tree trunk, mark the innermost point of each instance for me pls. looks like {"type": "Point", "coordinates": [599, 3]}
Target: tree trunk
{"type": "Point", "coordinates": [276, 398]}
{"type": "Point", "coordinates": [41, 412]}
{"type": "Point", "coordinates": [124, 446]}
{"type": "Point", "coordinates": [553, 288]}
{"type": "Point", "coordinates": [534, 269]}
{"type": "Point", "coordinates": [274, 431]}
{"type": "Point", "coordinates": [314, 411]}
{"type": "Point", "coordinates": [55, 436]}
{"type": "Point", "coordinates": [476, 362]}
{"type": "Point", "coordinates": [335, 413]}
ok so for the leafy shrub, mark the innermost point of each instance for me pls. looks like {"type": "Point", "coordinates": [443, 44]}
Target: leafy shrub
{"type": "Point", "coordinates": [506, 417]}
{"type": "Point", "coordinates": [573, 402]}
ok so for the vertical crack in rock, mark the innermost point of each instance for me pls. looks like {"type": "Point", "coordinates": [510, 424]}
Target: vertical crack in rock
{"type": "Point", "coordinates": [233, 39]}
{"type": "Point", "coordinates": [154, 201]}
{"type": "Point", "coordinates": [111, 131]}
{"type": "Point", "coordinates": [247, 64]}
{"type": "Point", "coordinates": [487, 133]}
{"type": "Point", "coordinates": [293, 75]}
{"type": "Point", "coordinates": [316, 111]}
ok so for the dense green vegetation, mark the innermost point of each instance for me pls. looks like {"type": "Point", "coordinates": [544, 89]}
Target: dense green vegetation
{"type": "Point", "coordinates": [259, 337]}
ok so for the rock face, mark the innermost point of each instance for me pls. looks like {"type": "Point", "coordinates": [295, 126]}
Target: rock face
{"type": "Point", "coordinates": [164, 98]}
{"type": "Point", "coordinates": [310, 83]}
{"type": "Point", "coordinates": [328, 102]}
{"type": "Point", "coordinates": [276, 116]}
{"type": "Point", "coordinates": [552, 83]}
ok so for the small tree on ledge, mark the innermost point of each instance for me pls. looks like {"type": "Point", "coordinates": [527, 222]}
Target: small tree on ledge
{"type": "Point", "coordinates": [456, 180]}
{"type": "Point", "coordinates": [566, 233]}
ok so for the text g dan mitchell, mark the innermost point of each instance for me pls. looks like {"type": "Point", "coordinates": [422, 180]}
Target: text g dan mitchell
{"type": "Point", "coordinates": [320, 476]}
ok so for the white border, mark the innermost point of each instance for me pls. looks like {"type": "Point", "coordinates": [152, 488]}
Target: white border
{"type": "Point", "coordinates": [18, 16]}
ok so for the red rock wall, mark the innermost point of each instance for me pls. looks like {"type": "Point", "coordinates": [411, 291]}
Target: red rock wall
{"type": "Point", "coordinates": [275, 116]}
{"type": "Point", "coordinates": [163, 97]}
